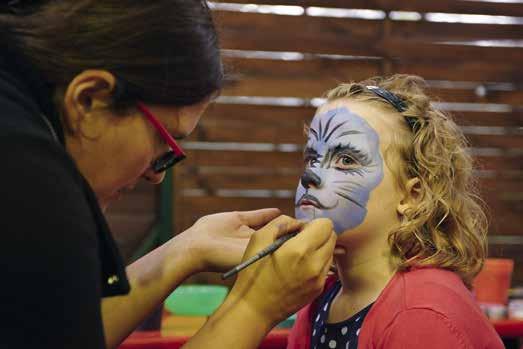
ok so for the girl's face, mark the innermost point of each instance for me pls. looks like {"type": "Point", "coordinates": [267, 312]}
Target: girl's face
{"type": "Point", "coordinates": [346, 178]}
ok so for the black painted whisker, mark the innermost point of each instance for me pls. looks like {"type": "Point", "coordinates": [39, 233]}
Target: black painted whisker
{"type": "Point", "coordinates": [346, 197]}
{"type": "Point", "coordinates": [315, 133]}
{"type": "Point", "coordinates": [334, 130]}
{"type": "Point", "coordinates": [328, 126]}
{"type": "Point", "coordinates": [321, 128]}
{"type": "Point", "coordinates": [348, 183]}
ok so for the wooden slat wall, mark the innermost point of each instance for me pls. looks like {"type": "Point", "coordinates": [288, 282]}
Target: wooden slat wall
{"type": "Point", "coordinates": [423, 6]}
{"type": "Point", "coordinates": [246, 153]}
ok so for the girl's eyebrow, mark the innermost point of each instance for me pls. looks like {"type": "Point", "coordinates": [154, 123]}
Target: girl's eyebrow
{"type": "Point", "coordinates": [347, 148]}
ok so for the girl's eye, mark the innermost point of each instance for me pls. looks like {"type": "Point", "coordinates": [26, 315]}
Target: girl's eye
{"type": "Point", "coordinates": [346, 162]}
{"type": "Point", "coordinates": [313, 162]}
{"type": "Point", "coordinates": [310, 162]}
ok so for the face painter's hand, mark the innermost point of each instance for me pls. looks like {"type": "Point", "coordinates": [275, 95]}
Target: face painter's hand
{"type": "Point", "coordinates": [282, 283]}
{"type": "Point", "coordinates": [217, 242]}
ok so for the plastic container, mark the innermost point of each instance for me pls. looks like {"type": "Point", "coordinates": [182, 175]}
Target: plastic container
{"type": "Point", "coordinates": [515, 309]}
{"type": "Point", "coordinates": [515, 304]}
{"type": "Point", "coordinates": [495, 311]}
{"type": "Point", "coordinates": [493, 282]}
{"type": "Point", "coordinates": [195, 300]}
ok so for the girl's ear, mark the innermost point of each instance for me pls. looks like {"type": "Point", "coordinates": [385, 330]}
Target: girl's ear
{"type": "Point", "coordinates": [411, 196]}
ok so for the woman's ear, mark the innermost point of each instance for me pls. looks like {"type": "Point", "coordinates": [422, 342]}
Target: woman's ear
{"type": "Point", "coordinates": [89, 90]}
{"type": "Point", "coordinates": [411, 196]}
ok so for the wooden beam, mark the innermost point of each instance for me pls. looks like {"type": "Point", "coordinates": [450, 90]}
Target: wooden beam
{"type": "Point", "coordinates": [444, 6]}
{"type": "Point", "coordinates": [212, 131]}
{"type": "Point", "coordinates": [311, 78]}
{"type": "Point", "coordinates": [296, 117]}
{"type": "Point", "coordinates": [360, 37]}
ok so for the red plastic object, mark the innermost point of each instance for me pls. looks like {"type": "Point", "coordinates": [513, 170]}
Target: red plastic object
{"type": "Point", "coordinates": [509, 328]}
{"type": "Point", "coordinates": [492, 283]}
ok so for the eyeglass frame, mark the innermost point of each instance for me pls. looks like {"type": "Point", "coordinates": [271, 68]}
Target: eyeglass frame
{"type": "Point", "coordinates": [171, 157]}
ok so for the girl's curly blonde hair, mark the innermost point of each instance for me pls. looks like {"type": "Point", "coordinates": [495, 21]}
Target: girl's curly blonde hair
{"type": "Point", "coordinates": [448, 227]}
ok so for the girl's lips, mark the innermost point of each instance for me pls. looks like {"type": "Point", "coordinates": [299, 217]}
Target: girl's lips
{"type": "Point", "coordinates": [308, 203]}
{"type": "Point", "coordinates": [309, 200]}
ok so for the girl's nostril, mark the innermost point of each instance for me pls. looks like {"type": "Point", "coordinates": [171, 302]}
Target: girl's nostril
{"type": "Point", "coordinates": [310, 178]}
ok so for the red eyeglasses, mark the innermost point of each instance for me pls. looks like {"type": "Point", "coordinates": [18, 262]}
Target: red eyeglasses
{"type": "Point", "coordinates": [173, 156]}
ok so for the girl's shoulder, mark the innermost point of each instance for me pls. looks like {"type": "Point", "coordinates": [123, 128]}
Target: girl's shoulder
{"type": "Point", "coordinates": [428, 296]}
{"type": "Point", "coordinates": [428, 288]}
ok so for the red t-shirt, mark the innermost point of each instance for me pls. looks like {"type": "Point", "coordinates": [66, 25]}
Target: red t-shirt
{"type": "Point", "coordinates": [425, 308]}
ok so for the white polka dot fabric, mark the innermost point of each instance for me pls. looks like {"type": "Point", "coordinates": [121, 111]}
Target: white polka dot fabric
{"type": "Point", "coordinates": [343, 335]}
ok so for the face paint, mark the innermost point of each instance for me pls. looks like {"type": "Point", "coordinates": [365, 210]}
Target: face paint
{"type": "Point", "coordinates": [342, 166]}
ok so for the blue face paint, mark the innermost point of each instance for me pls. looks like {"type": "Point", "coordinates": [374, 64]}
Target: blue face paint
{"type": "Point", "coordinates": [342, 166]}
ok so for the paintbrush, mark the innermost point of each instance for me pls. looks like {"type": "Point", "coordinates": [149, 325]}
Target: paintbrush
{"type": "Point", "coordinates": [266, 251]}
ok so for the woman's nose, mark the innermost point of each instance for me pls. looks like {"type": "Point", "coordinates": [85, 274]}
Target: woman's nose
{"type": "Point", "coordinates": [309, 179]}
{"type": "Point", "coordinates": [153, 177]}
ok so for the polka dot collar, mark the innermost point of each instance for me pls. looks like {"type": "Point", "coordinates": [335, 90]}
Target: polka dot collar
{"type": "Point", "coordinates": [342, 334]}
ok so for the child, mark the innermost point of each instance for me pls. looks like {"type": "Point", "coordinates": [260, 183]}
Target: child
{"type": "Point", "coordinates": [394, 176]}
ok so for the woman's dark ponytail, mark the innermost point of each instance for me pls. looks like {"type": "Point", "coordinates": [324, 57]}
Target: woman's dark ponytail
{"type": "Point", "coordinates": [166, 51]}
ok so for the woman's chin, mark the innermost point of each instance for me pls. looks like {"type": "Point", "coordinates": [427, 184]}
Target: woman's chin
{"type": "Point", "coordinates": [106, 201]}
{"type": "Point", "coordinates": [103, 205]}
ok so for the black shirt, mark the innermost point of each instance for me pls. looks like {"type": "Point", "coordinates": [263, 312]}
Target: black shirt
{"type": "Point", "coordinates": [57, 258]}
{"type": "Point", "coordinates": [341, 335]}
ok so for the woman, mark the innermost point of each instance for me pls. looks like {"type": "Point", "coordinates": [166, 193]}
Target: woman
{"type": "Point", "coordinates": [92, 94]}
{"type": "Point", "coordinates": [394, 175]}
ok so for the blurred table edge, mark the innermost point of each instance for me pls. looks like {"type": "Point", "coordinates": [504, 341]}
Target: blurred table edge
{"type": "Point", "coordinates": [508, 328]}
{"type": "Point", "coordinates": [277, 338]}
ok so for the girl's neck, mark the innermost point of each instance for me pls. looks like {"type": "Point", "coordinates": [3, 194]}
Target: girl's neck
{"type": "Point", "coordinates": [359, 273]}
{"type": "Point", "coordinates": [364, 273]}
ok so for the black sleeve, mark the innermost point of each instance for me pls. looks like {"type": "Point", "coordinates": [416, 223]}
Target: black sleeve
{"type": "Point", "coordinates": [50, 287]}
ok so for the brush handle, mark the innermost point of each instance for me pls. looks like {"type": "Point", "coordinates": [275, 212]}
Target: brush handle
{"type": "Point", "coordinates": [266, 251]}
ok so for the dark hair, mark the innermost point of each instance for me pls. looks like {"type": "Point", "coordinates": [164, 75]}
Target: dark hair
{"type": "Point", "coordinates": [166, 51]}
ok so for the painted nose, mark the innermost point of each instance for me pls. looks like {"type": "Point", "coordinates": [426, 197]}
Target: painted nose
{"type": "Point", "coordinates": [309, 179]}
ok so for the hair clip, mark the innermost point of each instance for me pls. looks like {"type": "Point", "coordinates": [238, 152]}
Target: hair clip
{"type": "Point", "coordinates": [396, 102]}
{"type": "Point", "coordinates": [389, 97]}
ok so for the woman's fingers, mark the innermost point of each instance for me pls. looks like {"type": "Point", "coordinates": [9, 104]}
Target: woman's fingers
{"type": "Point", "coordinates": [258, 218]}
{"type": "Point", "coordinates": [314, 235]}
{"type": "Point", "coordinates": [265, 236]}
{"type": "Point", "coordinates": [292, 276]}
{"type": "Point", "coordinates": [327, 269]}
{"type": "Point", "coordinates": [285, 225]}
{"type": "Point", "coordinates": [325, 252]}
{"type": "Point", "coordinates": [244, 232]}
